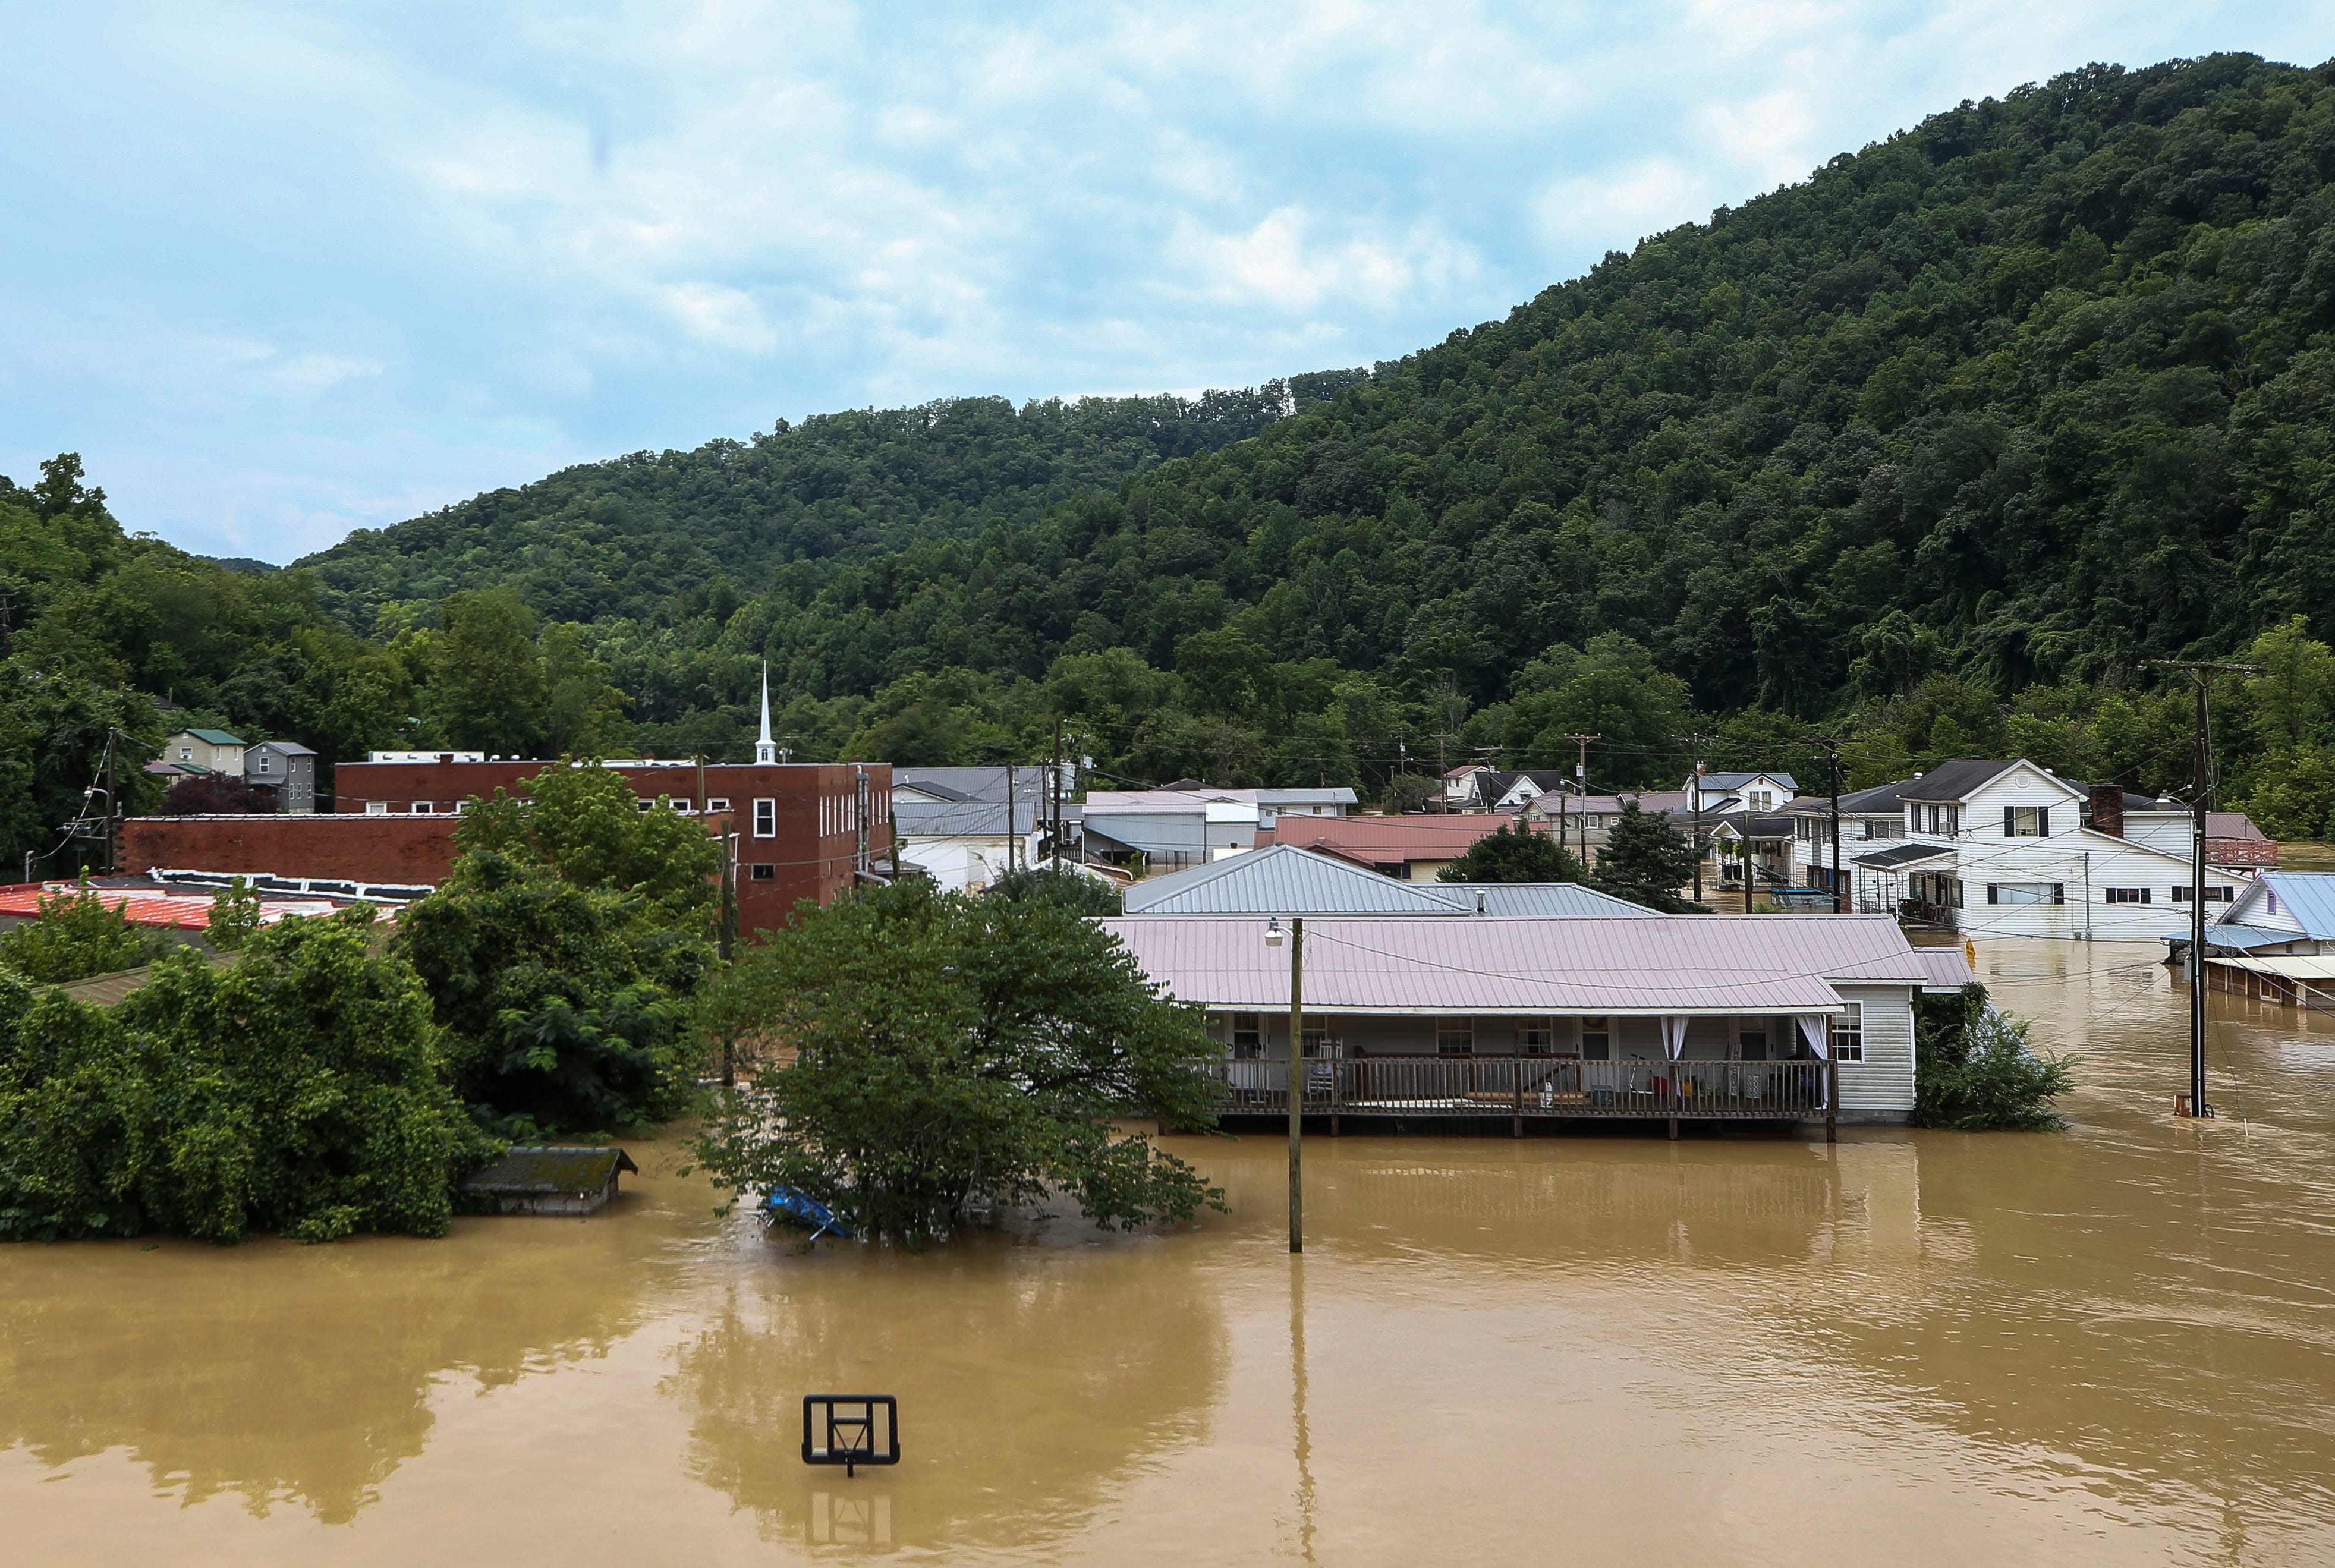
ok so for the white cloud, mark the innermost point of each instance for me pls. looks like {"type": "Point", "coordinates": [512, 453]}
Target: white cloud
{"type": "Point", "coordinates": [307, 266]}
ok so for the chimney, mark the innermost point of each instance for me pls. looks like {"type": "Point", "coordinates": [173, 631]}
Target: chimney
{"type": "Point", "coordinates": [2107, 808]}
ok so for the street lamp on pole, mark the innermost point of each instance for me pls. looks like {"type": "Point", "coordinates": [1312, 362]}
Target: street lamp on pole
{"type": "Point", "coordinates": [1272, 937]}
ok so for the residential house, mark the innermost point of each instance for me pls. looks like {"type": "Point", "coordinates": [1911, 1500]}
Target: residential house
{"type": "Point", "coordinates": [966, 844]}
{"type": "Point", "coordinates": [1189, 823]}
{"type": "Point", "coordinates": [2008, 847]}
{"type": "Point", "coordinates": [2275, 942]}
{"type": "Point", "coordinates": [203, 752]}
{"type": "Point", "coordinates": [1727, 792]}
{"type": "Point", "coordinates": [1750, 851]}
{"type": "Point", "coordinates": [1283, 879]}
{"type": "Point", "coordinates": [1731, 1016]}
{"type": "Point", "coordinates": [286, 768]}
{"type": "Point", "coordinates": [1868, 817]}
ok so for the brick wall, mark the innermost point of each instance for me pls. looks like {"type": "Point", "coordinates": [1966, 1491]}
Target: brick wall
{"type": "Point", "coordinates": [385, 849]}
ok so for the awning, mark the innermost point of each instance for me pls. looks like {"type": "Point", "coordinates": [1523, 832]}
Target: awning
{"type": "Point", "coordinates": [1903, 857]}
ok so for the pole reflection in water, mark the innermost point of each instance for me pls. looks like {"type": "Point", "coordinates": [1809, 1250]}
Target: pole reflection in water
{"type": "Point", "coordinates": [2106, 1346]}
{"type": "Point", "coordinates": [1297, 1403]}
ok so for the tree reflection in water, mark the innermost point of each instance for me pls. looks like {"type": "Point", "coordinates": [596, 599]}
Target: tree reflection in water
{"type": "Point", "coordinates": [1032, 1378]}
{"type": "Point", "coordinates": [290, 1374]}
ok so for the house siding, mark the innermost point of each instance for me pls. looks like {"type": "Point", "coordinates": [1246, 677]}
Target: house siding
{"type": "Point", "coordinates": [1881, 1086]}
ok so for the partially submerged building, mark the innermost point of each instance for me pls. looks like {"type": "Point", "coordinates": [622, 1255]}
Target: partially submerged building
{"type": "Point", "coordinates": [550, 1179]}
{"type": "Point", "coordinates": [1746, 1017]}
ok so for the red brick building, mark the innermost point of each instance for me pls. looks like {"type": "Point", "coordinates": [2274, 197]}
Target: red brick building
{"type": "Point", "coordinates": [798, 830]}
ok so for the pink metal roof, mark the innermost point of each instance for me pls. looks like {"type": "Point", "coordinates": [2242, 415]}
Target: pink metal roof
{"type": "Point", "coordinates": [1702, 963]}
{"type": "Point", "coordinates": [1382, 839]}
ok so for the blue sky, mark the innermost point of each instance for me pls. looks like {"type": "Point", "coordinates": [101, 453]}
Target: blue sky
{"type": "Point", "coordinates": [278, 272]}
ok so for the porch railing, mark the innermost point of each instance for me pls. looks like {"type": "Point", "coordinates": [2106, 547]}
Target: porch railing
{"type": "Point", "coordinates": [1526, 1085]}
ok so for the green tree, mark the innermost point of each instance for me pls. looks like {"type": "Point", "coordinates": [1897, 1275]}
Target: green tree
{"type": "Point", "coordinates": [566, 1009]}
{"type": "Point", "coordinates": [1978, 1071]}
{"type": "Point", "coordinates": [2293, 794]}
{"type": "Point", "coordinates": [583, 715]}
{"type": "Point", "coordinates": [1646, 861]}
{"type": "Point", "coordinates": [1075, 891]}
{"type": "Point", "coordinates": [954, 1052]}
{"type": "Point", "coordinates": [77, 934]}
{"type": "Point", "coordinates": [2291, 695]}
{"type": "Point", "coordinates": [234, 915]}
{"type": "Point", "coordinates": [1612, 689]}
{"type": "Point", "coordinates": [299, 1092]}
{"type": "Point", "coordinates": [487, 687]}
{"type": "Point", "coordinates": [585, 824]}
{"type": "Point", "coordinates": [1514, 853]}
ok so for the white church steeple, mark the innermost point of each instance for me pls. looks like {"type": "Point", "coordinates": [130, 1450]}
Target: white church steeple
{"type": "Point", "coordinates": [766, 750]}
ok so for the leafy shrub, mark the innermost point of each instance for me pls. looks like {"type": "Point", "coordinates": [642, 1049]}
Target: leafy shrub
{"type": "Point", "coordinates": [301, 1091]}
{"type": "Point", "coordinates": [1514, 853]}
{"type": "Point", "coordinates": [1072, 890]}
{"type": "Point", "coordinates": [76, 936]}
{"type": "Point", "coordinates": [234, 915]}
{"type": "Point", "coordinates": [1978, 1071]}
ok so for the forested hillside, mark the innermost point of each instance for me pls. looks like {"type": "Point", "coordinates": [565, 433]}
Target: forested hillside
{"type": "Point", "coordinates": [1931, 452]}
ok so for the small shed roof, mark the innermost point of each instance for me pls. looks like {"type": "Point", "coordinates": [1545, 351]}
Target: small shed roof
{"type": "Point", "coordinates": [548, 1169]}
{"type": "Point", "coordinates": [1949, 969]}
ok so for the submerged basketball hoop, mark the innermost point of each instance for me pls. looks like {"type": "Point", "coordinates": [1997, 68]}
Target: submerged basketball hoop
{"type": "Point", "coordinates": [851, 1430]}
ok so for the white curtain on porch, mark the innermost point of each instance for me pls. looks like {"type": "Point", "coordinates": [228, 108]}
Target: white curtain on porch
{"type": "Point", "coordinates": [1673, 1035]}
{"type": "Point", "coordinates": [1817, 1030]}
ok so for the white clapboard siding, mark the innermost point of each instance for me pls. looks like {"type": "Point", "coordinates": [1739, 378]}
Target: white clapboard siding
{"type": "Point", "coordinates": [1883, 1080]}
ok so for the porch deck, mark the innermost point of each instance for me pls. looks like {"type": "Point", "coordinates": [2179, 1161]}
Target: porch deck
{"type": "Point", "coordinates": [1537, 1087]}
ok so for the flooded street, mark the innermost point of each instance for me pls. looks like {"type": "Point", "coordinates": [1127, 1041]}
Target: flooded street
{"type": "Point", "coordinates": [2109, 1346]}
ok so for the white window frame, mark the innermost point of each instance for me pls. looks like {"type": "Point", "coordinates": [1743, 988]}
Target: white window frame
{"type": "Point", "coordinates": [422, 808]}
{"type": "Point", "coordinates": [1454, 1036]}
{"type": "Point", "coordinates": [376, 808]}
{"type": "Point", "coordinates": [766, 817]}
{"type": "Point", "coordinates": [717, 803]}
{"type": "Point", "coordinates": [1848, 1034]}
{"type": "Point", "coordinates": [1536, 1036]}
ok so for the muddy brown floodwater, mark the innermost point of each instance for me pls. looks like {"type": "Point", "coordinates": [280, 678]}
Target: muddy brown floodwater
{"type": "Point", "coordinates": [2109, 1346]}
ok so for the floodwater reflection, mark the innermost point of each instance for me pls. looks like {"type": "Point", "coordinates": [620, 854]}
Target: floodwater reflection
{"type": "Point", "coordinates": [1033, 1376]}
{"type": "Point", "coordinates": [2110, 1345]}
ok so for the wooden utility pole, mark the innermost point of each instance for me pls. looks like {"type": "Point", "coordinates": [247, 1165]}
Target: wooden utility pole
{"type": "Point", "coordinates": [2200, 672]}
{"type": "Point", "coordinates": [1581, 787]}
{"type": "Point", "coordinates": [1297, 1081]}
{"type": "Point", "coordinates": [114, 801]}
{"type": "Point", "coordinates": [1831, 756]}
{"type": "Point", "coordinates": [1013, 822]}
{"type": "Point", "coordinates": [1054, 798]}
{"type": "Point", "coordinates": [729, 937]}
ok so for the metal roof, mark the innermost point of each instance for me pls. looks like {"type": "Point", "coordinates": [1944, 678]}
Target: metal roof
{"type": "Point", "coordinates": [2222, 934]}
{"type": "Point", "coordinates": [963, 819]}
{"type": "Point", "coordinates": [978, 783]}
{"type": "Point", "coordinates": [1282, 879]}
{"type": "Point", "coordinates": [1898, 856]}
{"type": "Point", "coordinates": [212, 737]}
{"type": "Point", "coordinates": [2321, 967]}
{"type": "Point", "coordinates": [1546, 901]}
{"type": "Point", "coordinates": [287, 747]}
{"type": "Point", "coordinates": [1880, 800]}
{"type": "Point", "coordinates": [1948, 968]}
{"type": "Point", "coordinates": [1386, 838]}
{"type": "Point", "coordinates": [1702, 963]}
{"type": "Point", "coordinates": [1733, 781]}
{"type": "Point", "coordinates": [2307, 896]}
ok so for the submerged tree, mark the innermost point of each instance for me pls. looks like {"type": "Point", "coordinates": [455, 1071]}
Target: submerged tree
{"type": "Point", "coordinates": [952, 1052]}
{"type": "Point", "coordinates": [1976, 1070]}
{"type": "Point", "coordinates": [300, 1091]}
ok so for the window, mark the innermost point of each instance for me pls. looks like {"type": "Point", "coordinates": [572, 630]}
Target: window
{"type": "Point", "coordinates": [1761, 800]}
{"type": "Point", "coordinates": [2026, 893]}
{"type": "Point", "coordinates": [1596, 1040]}
{"type": "Point", "coordinates": [762, 872]}
{"type": "Point", "coordinates": [646, 803]}
{"type": "Point", "coordinates": [1249, 1038]}
{"type": "Point", "coordinates": [1536, 1036]}
{"type": "Point", "coordinates": [2027, 822]}
{"type": "Point", "coordinates": [422, 808]}
{"type": "Point", "coordinates": [2212, 895]}
{"type": "Point", "coordinates": [2127, 895]}
{"type": "Point", "coordinates": [376, 808]}
{"type": "Point", "coordinates": [717, 803]}
{"type": "Point", "coordinates": [1317, 1042]}
{"type": "Point", "coordinates": [765, 820]}
{"type": "Point", "coordinates": [267, 763]}
{"type": "Point", "coordinates": [1455, 1037]}
{"type": "Point", "coordinates": [185, 753]}
{"type": "Point", "coordinates": [1848, 1034]}
{"type": "Point", "coordinates": [1751, 1040]}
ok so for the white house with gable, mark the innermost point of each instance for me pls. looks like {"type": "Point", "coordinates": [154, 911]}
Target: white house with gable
{"type": "Point", "coordinates": [2006, 849]}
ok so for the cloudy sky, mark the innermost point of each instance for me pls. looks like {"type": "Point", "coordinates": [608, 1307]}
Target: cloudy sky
{"type": "Point", "coordinates": [278, 272]}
